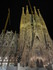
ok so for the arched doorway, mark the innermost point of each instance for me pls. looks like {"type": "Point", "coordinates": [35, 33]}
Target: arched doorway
{"type": "Point", "coordinates": [39, 63]}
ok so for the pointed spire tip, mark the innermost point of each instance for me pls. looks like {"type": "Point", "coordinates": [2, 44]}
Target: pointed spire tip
{"type": "Point", "coordinates": [23, 10]}
{"type": "Point", "coordinates": [27, 11]}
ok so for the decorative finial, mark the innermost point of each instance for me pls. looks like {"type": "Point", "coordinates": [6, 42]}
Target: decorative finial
{"type": "Point", "coordinates": [38, 11]}
{"type": "Point", "coordinates": [22, 10]}
{"type": "Point", "coordinates": [27, 11]}
{"type": "Point", "coordinates": [35, 10]}
{"type": "Point", "coordinates": [8, 9]}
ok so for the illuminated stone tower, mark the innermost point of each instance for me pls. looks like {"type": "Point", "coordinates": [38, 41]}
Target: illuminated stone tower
{"type": "Point", "coordinates": [22, 33]}
{"type": "Point", "coordinates": [25, 32]}
{"type": "Point", "coordinates": [28, 37]}
{"type": "Point", "coordinates": [34, 41]}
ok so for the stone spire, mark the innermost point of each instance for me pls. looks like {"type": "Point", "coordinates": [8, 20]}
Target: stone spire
{"type": "Point", "coordinates": [45, 30]}
{"type": "Point", "coordinates": [39, 12]}
{"type": "Point", "coordinates": [22, 18]}
{"type": "Point", "coordinates": [35, 10]}
{"type": "Point", "coordinates": [22, 10]}
{"type": "Point", "coordinates": [36, 17]}
{"type": "Point", "coordinates": [28, 16]}
{"type": "Point", "coordinates": [41, 18]}
{"type": "Point", "coordinates": [27, 11]}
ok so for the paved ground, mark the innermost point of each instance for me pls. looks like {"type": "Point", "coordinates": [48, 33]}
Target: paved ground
{"type": "Point", "coordinates": [11, 67]}
{"type": "Point", "coordinates": [20, 68]}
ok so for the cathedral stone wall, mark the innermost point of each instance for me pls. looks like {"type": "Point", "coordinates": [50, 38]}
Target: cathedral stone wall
{"type": "Point", "coordinates": [35, 41]}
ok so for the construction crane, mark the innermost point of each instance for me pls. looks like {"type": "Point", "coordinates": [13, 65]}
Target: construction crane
{"type": "Point", "coordinates": [30, 7]}
{"type": "Point", "coordinates": [8, 17]}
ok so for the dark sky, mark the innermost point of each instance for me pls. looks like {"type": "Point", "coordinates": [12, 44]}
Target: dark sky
{"type": "Point", "coordinates": [45, 6]}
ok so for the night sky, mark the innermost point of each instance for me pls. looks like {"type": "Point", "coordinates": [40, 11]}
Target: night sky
{"type": "Point", "coordinates": [45, 6]}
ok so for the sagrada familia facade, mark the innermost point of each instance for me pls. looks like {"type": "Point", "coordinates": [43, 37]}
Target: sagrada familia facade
{"type": "Point", "coordinates": [34, 41]}
{"type": "Point", "coordinates": [32, 44]}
